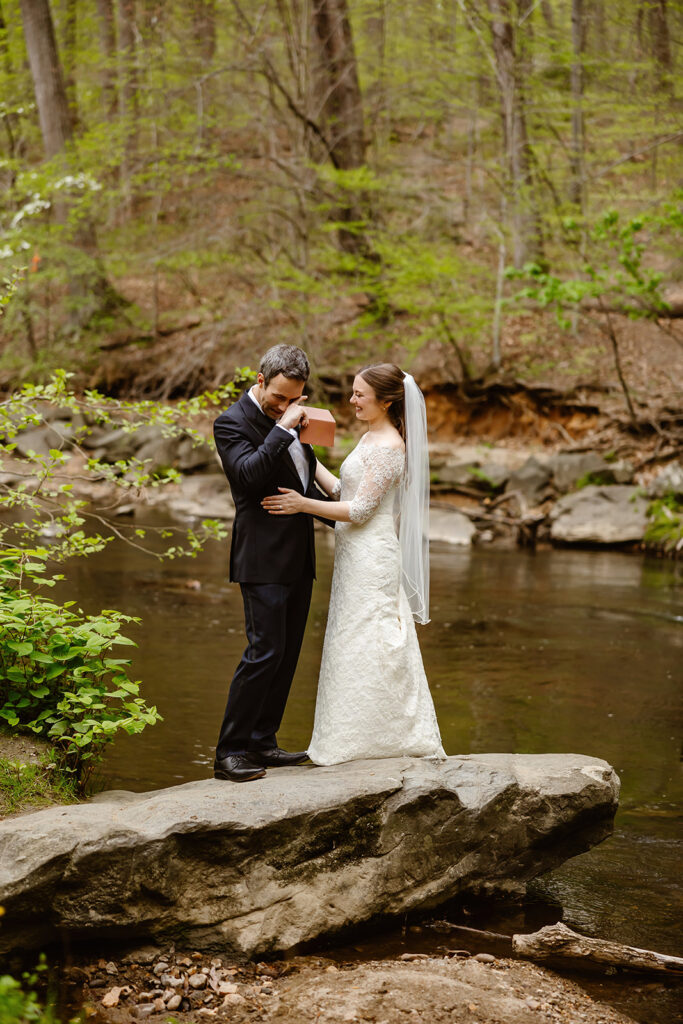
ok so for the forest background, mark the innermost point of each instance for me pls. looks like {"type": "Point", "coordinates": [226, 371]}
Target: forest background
{"type": "Point", "coordinates": [485, 190]}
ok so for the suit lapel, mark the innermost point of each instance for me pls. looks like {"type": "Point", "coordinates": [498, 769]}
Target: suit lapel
{"type": "Point", "coordinates": [257, 420]}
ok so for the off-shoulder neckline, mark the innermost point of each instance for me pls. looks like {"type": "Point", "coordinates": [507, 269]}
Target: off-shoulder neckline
{"type": "Point", "coordinates": [386, 447]}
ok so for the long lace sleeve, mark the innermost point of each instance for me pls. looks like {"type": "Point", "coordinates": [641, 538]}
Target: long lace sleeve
{"type": "Point", "coordinates": [382, 469]}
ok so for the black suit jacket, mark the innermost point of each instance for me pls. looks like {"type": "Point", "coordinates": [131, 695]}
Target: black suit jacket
{"type": "Point", "coordinates": [255, 456]}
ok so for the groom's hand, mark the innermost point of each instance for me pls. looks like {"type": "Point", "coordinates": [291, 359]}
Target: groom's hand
{"type": "Point", "coordinates": [294, 415]}
{"type": "Point", "coordinates": [286, 503]}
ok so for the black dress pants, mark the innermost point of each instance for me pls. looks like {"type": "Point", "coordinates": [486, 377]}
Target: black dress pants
{"type": "Point", "coordinates": [275, 618]}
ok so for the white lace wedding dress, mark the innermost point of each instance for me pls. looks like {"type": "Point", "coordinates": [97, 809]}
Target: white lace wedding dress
{"type": "Point", "coordinates": [373, 696]}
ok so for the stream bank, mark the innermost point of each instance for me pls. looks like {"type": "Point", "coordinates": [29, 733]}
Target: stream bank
{"type": "Point", "coordinates": [507, 492]}
{"type": "Point", "coordinates": [437, 988]}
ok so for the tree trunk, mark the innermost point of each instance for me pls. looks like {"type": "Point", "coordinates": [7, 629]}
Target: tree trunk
{"type": "Point", "coordinates": [380, 114]}
{"type": "Point", "coordinates": [661, 46]}
{"type": "Point", "coordinates": [69, 46]}
{"type": "Point", "coordinates": [548, 16]}
{"type": "Point", "coordinates": [10, 119]}
{"type": "Point", "coordinates": [526, 233]}
{"type": "Point", "coordinates": [90, 288]}
{"type": "Point", "coordinates": [107, 23]}
{"type": "Point", "coordinates": [576, 158]}
{"type": "Point", "coordinates": [340, 105]}
{"type": "Point", "coordinates": [204, 25]}
{"type": "Point", "coordinates": [46, 71]}
{"type": "Point", "coordinates": [596, 27]}
{"type": "Point", "coordinates": [128, 95]}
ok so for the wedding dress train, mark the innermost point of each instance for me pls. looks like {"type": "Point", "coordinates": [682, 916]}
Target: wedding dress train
{"type": "Point", "coordinates": [373, 696]}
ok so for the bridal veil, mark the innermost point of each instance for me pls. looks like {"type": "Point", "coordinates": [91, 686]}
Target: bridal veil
{"type": "Point", "coordinates": [413, 504]}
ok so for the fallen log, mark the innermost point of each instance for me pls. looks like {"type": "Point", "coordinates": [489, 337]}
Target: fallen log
{"type": "Point", "coordinates": [557, 942]}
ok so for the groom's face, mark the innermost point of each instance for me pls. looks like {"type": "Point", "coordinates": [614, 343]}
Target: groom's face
{"type": "Point", "coordinates": [278, 394]}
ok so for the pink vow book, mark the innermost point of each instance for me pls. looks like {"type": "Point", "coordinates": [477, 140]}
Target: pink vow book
{"type": "Point", "coordinates": [320, 427]}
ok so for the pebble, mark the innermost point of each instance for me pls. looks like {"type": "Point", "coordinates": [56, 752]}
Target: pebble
{"type": "Point", "coordinates": [161, 967]}
{"type": "Point", "coordinates": [533, 1004]}
{"type": "Point", "coordinates": [111, 998]}
{"type": "Point", "coordinates": [485, 958]}
{"type": "Point", "coordinates": [174, 1002]}
{"type": "Point", "coordinates": [111, 968]}
{"type": "Point", "coordinates": [144, 1009]}
{"type": "Point", "coordinates": [197, 981]}
{"type": "Point", "coordinates": [169, 979]}
{"type": "Point", "coordinates": [233, 999]}
{"type": "Point", "coordinates": [270, 972]}
{"type": "Point", "coordinates": [224, 988]}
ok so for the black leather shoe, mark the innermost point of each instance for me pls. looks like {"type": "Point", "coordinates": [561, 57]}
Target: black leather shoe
{"type": "Point", "coordinates": [237, 768]}
{"type": "Point", "coordinates": [277, 758]}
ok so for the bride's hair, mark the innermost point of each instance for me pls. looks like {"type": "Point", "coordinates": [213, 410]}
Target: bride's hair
{"type": "Point", "coordinates": [386, 380]}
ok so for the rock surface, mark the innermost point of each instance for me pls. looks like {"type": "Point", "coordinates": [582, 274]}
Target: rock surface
{"type": "Point", "coordinates": [614, 514]}
{"type": "Point", "coordinates": [301, 853]}
{"type": "Point", "coordinates": [486, 477]}
{"type": "Point", "coordinates": [669, 480]}
{"type": "Point", "coordinates": [451, 527]}
{"type": "Point", "coordinates": [531, 480]}
{"type": "Point", "coordinates": [569, 467]}
{"type": "Point", "coordinates": [205, 496]}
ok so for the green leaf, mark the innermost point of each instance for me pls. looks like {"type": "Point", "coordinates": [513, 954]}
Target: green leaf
{"type": "Point", "coordinates": [20, 647]}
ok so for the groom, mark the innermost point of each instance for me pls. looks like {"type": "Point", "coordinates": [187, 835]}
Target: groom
{"type": "Point", "coordinates": [271, 557]}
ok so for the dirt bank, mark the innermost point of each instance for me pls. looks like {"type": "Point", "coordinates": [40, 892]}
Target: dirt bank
{"type": "Point", "coordinates": [416, 987]}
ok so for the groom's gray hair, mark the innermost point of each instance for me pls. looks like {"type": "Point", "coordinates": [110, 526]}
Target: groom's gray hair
{"type": "Point", "coordinates": [290, 361]}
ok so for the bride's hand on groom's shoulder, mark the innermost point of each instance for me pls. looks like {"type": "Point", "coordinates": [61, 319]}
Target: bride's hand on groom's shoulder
{"type": "Point", "coordinates": [286, 503]}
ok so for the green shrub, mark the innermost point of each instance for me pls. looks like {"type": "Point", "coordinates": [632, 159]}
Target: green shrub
{"type": "Point", "coordinates": [601, 478]}
{"type": "Point", "coordinates": [482, 477]}
{"type": "Point", "coordinates": [665, 529]}
{"type": "Point", "coordinates": [56, 676]}
{"type": "Point", "coordinates": [20, 1003]}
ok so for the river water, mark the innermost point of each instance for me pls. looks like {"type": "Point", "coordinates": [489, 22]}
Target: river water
{"type": "Point", "coordinates": [557, 651]}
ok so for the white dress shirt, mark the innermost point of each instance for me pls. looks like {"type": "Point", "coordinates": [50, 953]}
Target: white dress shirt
{"type": "Point", "coordinates": [296, 449]}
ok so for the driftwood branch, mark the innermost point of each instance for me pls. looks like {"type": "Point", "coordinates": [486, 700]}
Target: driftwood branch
{"type": "Point", "coordinates": [557, 942]}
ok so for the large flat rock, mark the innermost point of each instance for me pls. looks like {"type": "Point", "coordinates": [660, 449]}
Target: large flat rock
{"type": "Point", "coordinates": [306, 851]}
{"type": "Point", "coordinates": [611, 514]}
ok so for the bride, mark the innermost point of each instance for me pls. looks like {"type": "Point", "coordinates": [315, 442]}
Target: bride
{"type": "Point", "coordinates": [373, 697]}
